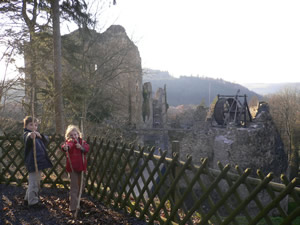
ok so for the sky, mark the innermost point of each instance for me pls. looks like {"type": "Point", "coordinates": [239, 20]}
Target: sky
{"type": "Point", "coordinates": [240, 41]}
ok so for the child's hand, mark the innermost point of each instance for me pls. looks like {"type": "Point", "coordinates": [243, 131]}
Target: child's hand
{"type": "Point", "coordinates": [32, 135]}
{"type": "Point", "coordinates": [35, 134]}
{"type": "Point", "coordinates": [78, 145]}
{"type": "Point", "coordinates": [66, 147]}
{"type": "Point", "coordinates": [38, 134]}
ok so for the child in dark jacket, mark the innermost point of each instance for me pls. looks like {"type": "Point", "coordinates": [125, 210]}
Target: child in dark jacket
{"type": "Point", "coordinates": [76, 149]}
{"type": "Point", "coordinates": [42, 159]}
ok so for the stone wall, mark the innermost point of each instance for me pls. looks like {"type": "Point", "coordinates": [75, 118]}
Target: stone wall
{"type": "Point", "coordinates": [160, 108]}
{"type": "Point", "coordinates": [257, 146]}
{"type": "Point", "coordinates": [154, 108]}
{"type": "Point", "coordinates": [147, 107]}
{"type": "Point", "coordinates": [117, 64]}
{"type": "Point", "coordinates": [126, 87]}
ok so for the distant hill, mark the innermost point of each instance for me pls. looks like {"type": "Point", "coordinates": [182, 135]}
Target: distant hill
{"type": "Point", "coordinates": [192, 90]}
{"type": "Point", "coordinates": [264, 89]}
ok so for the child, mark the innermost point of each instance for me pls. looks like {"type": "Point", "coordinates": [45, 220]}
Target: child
{"type": "Point", "coordinates": [30, 133]}
{"type": "Point", "coordinates": [76, 150]}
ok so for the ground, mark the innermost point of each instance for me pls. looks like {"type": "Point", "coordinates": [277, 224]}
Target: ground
{"type": "Point", "coordinates": [54, 209]}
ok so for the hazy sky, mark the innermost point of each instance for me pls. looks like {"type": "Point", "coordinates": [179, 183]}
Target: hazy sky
{"type": "Point", "coordinates": [236, 40]}
{"type": "Point", "coordinates": [239, 41]}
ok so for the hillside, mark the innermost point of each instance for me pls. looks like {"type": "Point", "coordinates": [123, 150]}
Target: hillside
{"type": "Point", "coordinates": [269, 88]}
{"type": "Point", "coordinates": [193, 90]}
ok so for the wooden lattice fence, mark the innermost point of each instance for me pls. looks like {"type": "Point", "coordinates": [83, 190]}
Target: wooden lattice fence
{"type": "Point", "coordinates": [147, 184]}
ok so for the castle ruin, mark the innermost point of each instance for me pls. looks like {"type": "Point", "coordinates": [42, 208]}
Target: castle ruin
{"type": "Point", "coordinates": [112, 58]}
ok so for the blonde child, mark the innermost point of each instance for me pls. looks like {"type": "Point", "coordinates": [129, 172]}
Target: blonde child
{"type": "Point", "coordinates": [76, 149]}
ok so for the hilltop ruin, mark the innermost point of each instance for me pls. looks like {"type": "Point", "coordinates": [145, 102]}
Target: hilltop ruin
{"type": "Point", "coordinates": [258, 145]}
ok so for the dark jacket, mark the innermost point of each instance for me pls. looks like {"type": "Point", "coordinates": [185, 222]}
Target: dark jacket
{"type": "Point", "coordinates": [42, 158]}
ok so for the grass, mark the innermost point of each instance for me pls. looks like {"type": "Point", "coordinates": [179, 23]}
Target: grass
{"type": "Point", "coordinates": [275, 221]}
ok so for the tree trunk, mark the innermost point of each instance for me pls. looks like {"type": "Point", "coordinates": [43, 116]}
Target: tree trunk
{"type": "Point", "coordinates": [30, 82]}
{"type": "Point", "coordinates": [58, 100]}
{"type": "Point", "coordinates": [294, 164]}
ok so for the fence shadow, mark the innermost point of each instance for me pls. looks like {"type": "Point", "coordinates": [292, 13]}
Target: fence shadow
{"type": "Point", "coordinates": [163, 190]}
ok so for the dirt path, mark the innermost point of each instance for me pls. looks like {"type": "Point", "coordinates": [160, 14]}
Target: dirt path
{"type": "Point", "coordinates": [54, 209]}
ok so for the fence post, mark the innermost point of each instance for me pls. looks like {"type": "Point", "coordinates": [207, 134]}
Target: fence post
{"type": "Point", "coordinates": [174, 196]}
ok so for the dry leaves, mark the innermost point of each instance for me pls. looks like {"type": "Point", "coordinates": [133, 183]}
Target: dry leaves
{"type": "Point", "coordinates": [55, 209]}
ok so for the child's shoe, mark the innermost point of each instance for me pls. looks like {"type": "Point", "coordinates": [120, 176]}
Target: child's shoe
{"type": "Point", "coordinates": [36, 206]}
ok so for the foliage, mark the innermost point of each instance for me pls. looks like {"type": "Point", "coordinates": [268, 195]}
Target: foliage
{"type": "Point", "coordinates": [253, 105]}
{"type": "Point", "coordinates": [212, 108]}
{"type": "Point", "coordinates": [76, 10]}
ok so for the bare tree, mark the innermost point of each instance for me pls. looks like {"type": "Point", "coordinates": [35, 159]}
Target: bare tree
{"type": "Point", "coordinates": [10, 98]}
{"type": "Point", "coordinates": [21, 29]}
{"type": "Point", "coordinates": [285, 110]}
{"type": "Point", "coordinates": [6, 84]}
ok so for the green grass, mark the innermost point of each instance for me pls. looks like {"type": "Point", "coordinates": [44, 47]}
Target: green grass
{"type": "Point", "coordinates": [292, 206]}
{"type": "Point", "coordinates": [275, 221]}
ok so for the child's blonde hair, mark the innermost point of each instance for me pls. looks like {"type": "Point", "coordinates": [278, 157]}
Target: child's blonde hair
{"type": "Point", "coordinates": [70, 129]}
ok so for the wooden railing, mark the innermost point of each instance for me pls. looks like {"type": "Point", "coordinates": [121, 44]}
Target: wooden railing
{"type": "Point", "coordinates": [160, 190]}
